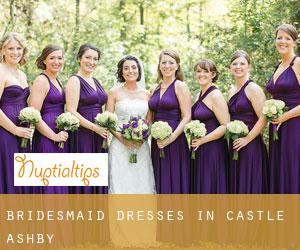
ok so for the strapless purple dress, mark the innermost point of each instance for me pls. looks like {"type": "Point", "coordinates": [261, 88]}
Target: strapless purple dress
{"type": "Point", "coordinates": [13, 99]}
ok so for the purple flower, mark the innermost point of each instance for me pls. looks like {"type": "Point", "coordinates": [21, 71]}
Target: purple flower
{"type": "Point", "coordinates": [134, 124]}
{"type": "Point", "coordinates": [134, 119]}
{"type": "Point", "coordinates": [125, 125]}
{"type": "Point", "coordinates": [145, 134]}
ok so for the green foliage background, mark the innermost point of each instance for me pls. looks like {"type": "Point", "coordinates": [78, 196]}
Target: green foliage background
{"type": "Point", "coordinates": [195, 28]}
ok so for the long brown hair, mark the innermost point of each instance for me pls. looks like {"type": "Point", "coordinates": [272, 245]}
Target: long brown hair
{"type": "Point", "coordinates": [174, 55]}
{"type": "Point", "coordinates": [46, 51]}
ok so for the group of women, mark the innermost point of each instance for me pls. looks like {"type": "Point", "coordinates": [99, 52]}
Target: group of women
{"type": "Point", "coordinates": [213, 170]}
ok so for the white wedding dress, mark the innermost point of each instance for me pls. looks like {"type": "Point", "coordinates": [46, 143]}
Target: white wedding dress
{"type": "Point", "coordinates": [125, 177]}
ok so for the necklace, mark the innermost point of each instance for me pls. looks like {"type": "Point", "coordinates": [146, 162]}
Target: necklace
{"type": "Point", "coordinates": [89, 80]}
{"type": "Point", "coordinates": [15, 73]}
{"type": "Point", "coordinates": [165, 87]}
{"type": "Point", "coordinates": [131, 91]}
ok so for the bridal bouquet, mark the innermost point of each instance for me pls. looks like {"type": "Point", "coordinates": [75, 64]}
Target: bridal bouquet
{"type": "Point", "coordinates": [137, 130]}
{"type": "Point", "coordinates": [28, 115]}
{"type": "Point", "coordinates": [107, 120]}
{"type": "Point", "coordinates": [193, 130]}
{"type": "Point", "coordinates": [236, 129]}
{"type": "Point", "coordinates": [161, 130]}
{"type": "Point", "coordinates": [66, 122]}
{"type": "Point", "coordinates": [273, 109]}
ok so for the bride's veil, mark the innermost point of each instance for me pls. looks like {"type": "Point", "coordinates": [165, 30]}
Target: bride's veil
{"type": "Point", "coordinates": [141, 83]}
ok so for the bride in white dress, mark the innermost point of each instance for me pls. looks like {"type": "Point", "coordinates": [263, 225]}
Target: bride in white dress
{"type": "Point", "coordinates": [129, 99]}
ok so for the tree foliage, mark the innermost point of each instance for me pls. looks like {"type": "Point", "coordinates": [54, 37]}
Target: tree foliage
{"type": "Point", "coordinates": [195, 28]}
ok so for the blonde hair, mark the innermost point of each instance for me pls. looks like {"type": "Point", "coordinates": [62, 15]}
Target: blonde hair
{"type": "Point", "coordinates": [14, 36]}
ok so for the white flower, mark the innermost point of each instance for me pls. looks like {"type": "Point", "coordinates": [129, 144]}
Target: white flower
{"type": "Point", "coordinates": [30, 114]}
{"type": "Point", "coordinates": [161, 130]}
{"type": "Point", "coordinates": [67, 121]}
{"type": "Point", "coordinates": [195, 129]}
{"type": "Point", "coordinates": [273, 109]}
{"type": "Point", "coordinates": [237, 127]}
{"type": "Point", "coordinates": [107, 120]}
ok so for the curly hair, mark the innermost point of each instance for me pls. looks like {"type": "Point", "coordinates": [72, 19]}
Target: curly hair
{"type": "Point", "coordinates": [119, 73]}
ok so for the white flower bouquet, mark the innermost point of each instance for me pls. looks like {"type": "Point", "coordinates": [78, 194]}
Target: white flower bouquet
{"type": "Point", "coordinates": [236, 129]}
{"type": "Point", "coordinates": [273, 109]}
{"type": "Point", "coordinates": [66, 122]}
{"type": "Point", "coordinates": [161, 130]}
{"type": "Point", "coordinates": [106, 120]}
{"type": "Point", "coordinates": [29, 115]}
{"type": "Point", "coordinates": [136, 129]}
{"type": "Point", "coordinates": [193, 130]}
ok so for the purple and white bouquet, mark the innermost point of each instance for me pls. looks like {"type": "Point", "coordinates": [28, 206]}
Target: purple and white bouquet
{"type": "Point", "coordinates": [66, 122]}
{"type": "Point", "coordinates": [137, 130]}
{"type": "Point", "coordinates": [273, 109]}
{"type": "Point", "coordinates": [236, 129]}
{"type": "Point", "coordinates": [161, 130]}
{"type": "Point", "coordinates": [193, 130]}
{"type": "Point", "coordinates": [29, 115]}
{"type": "Point", "coordinates": [106, 120]}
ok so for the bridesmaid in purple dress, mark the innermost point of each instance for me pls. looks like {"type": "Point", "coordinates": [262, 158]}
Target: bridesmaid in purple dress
{"type": "Point", "coordinates": [47, 95]}
{"type": "Point", "coordinates": [246, 100]}
{"type": "Point", "coordinates": [14, 92]}
{"type": "Point", "coordinates": [210, 167]}
{"type": "Point", "coordinates": [85, 98]}
{"type": "Point", "coordinates": [284, 85]}
{"type": "Point", "coordinates": [171, 102]}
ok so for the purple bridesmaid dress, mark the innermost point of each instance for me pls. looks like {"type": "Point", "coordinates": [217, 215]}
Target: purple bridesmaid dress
{"type": "Point", "coordinates": [172, 173]}
{"type": "Point", "coordinates": [85, 140]}
{"type": "Point", "coordinates": [209, 170]}
{"type": "Point", "coordinates": [13, 99]}
{"type": "Point", "coordinates": [248, 174]}
{"type": "Point", "coordinates": [53, 106]}
{"type": "Point", "coordinates": [285, 152]}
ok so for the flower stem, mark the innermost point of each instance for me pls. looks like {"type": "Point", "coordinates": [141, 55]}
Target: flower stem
{"type": "Point", "coordinates": [235, 155]}
{"type": "Point", "coordinates": [104, 144]}
{"type": "Point", "coordinates": [162, 153]}
{"type": "Point", "coordinates": [61, 145]}
{"type": "Point", "coordinates": [24, 142]}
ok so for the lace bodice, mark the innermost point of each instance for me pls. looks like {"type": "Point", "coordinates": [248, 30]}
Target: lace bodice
{"type": "Point", "coordinates": [126, 108]}
{"type": "Point", "coordinates": [125, 177]}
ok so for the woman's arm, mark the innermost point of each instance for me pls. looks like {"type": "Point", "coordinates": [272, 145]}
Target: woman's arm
{"type": "Point", "coordinates": [39, 91]}
{"type": "Point", "coordinates": [72, 100]}
{"type": "Point", "coordinates": [149, 116]}
{"type": "Point", "coordinates": [220, 109]}
{"type": "Point", "coordinates": [5, 122]}
{"type": "Point", "coordinates": [257, 99]}
{"type": "Point", "coordinates": [294, 112]}
{"type": "Point", "coordinates": [185, 102]}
